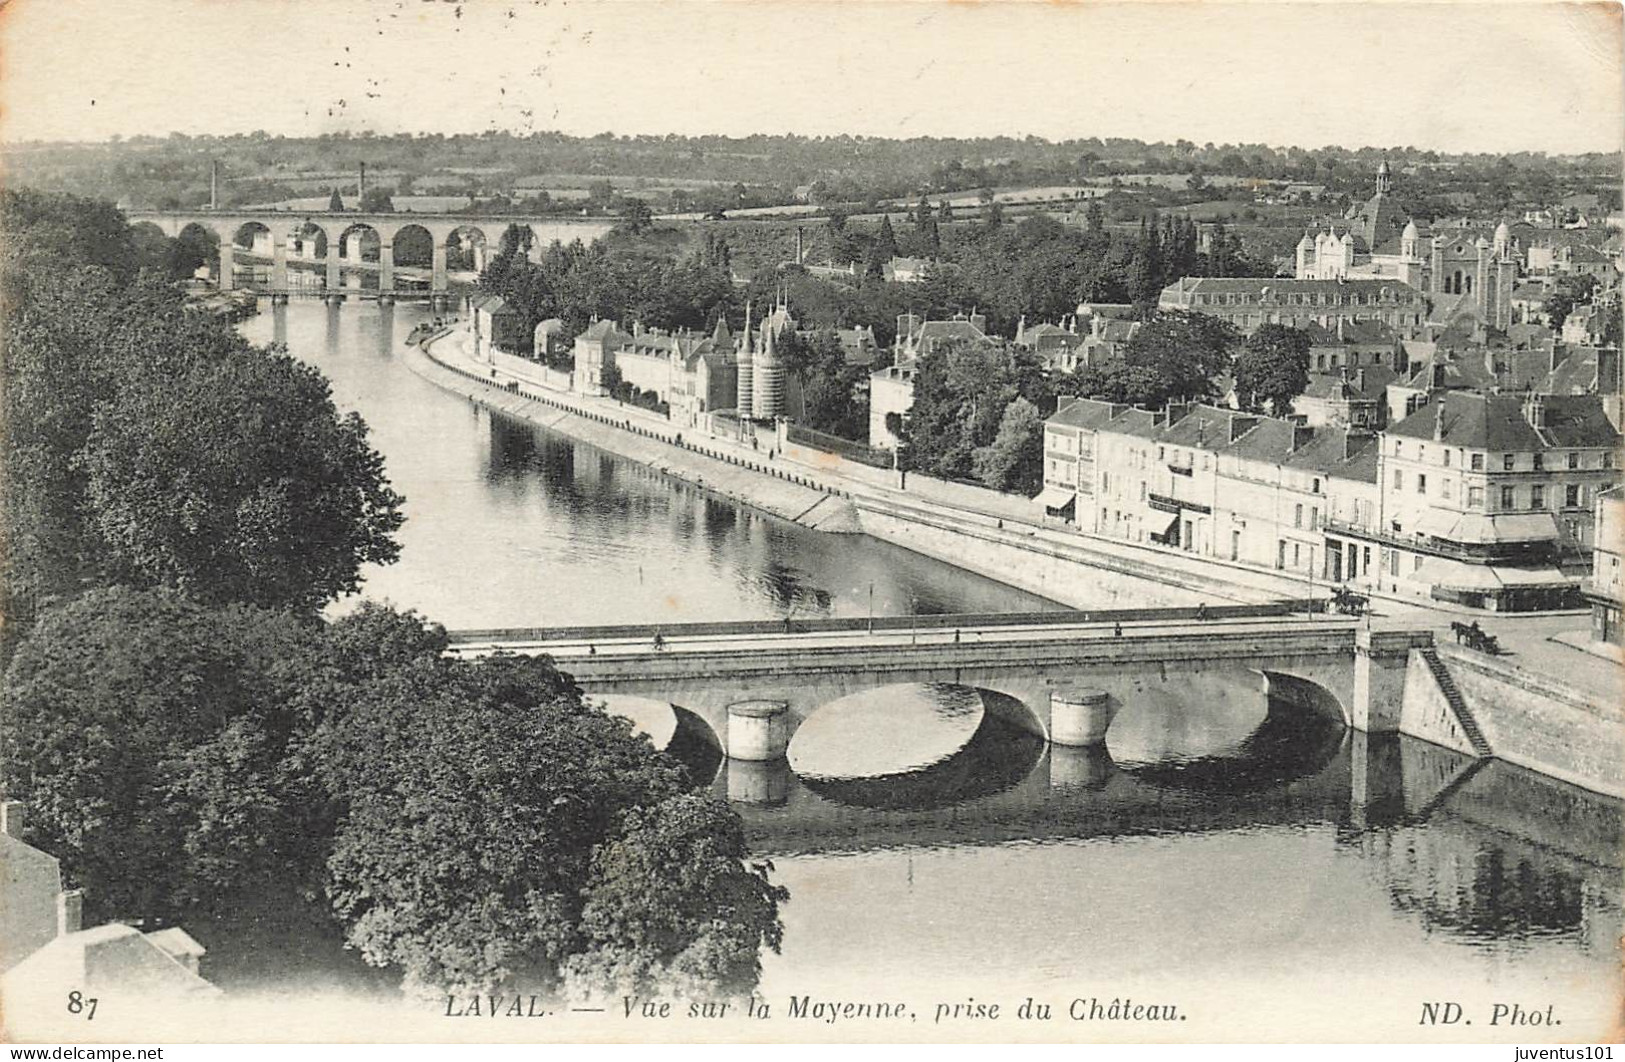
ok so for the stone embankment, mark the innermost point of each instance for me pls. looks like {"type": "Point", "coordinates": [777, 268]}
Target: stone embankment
{"type": "Point", "coordinates": [633, 434]}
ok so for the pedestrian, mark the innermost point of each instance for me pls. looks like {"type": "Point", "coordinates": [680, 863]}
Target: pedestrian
{"type": "Point", "coordinates": [956, 637]}
{"type": "Point", "coordinates": [1117, 628]}
{"type": "Point", "coordinates": [660, 643]}
{"type": "Point", "coordinates": [592, 650]}
{"type": "Point", "coordinates": [1201, 611]}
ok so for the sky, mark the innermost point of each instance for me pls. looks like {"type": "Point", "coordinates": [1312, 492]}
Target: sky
{"type": "Point", "coordinates": [1453, 76]}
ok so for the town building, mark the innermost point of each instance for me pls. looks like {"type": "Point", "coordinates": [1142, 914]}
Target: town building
{"type": "Point", "coordinates": [1347, 398]}
{"type": "Point", "coordinates": [891, 389]}
{"type": "Point", "coordinates": [496, 326]}
{"type": "Point", "coordinates": [1460, 270]}
{"type": "Point", "coordinates": [594, 350]}
{"type": "Point", "coordinates": [45, 952]}
{"type": "Point", "coordinates": [1251, 302]}
{"type": "Point", "coordinates": [1605, 590]}
{"type": "Point", "coordinates": [1486, 498]}
{"type": "Point", "coordinates": [1477, 499]}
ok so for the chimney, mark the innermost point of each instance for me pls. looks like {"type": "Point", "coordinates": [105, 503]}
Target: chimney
{"type": "Point", "coordinates": [1177, 411]}
{"type": "Point", "coordinates": [1240, 426]}
{"type": "Point", "coordinates": [1534, 409]}
{"type": "Point", "coordinates": [13, 818]}
{"type": "Point", "coordinates": [70, 911]}
{"type": "Point", "coordinates": [1301, 434]}
{"type": "Point", "coordinates": [1438, 419]}
{"type": "Point", "coordinates": [1359, 380]}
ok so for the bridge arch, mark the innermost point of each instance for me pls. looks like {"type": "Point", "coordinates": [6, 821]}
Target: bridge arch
{"type": "Point", "coordinates": [1305, 693]}
{"type": "Point", "coordinates": [467, 248]}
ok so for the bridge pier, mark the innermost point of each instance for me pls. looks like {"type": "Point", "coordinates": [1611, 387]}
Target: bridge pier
{"type": "Point", "coordinates": [386, 269]}
{"type": "Point", "coordinates": [335, 270]}
{"type": "Point", "coordinates": [1078, 718]}
{"type": "Point", "coordinates": [279, 262]}
{"type": "Point", "coordinates": [437, 283]}
{"type": "Point", "coordinates": [228, 264]}
{"type": "Point", "coordinates": [758, 731]}
{"type": "Point", "coordinates": [1380, 662]}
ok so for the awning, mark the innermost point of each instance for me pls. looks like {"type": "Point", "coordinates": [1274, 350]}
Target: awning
{"type": "Point", "coordinates": [1478, 529]}
{"type": "Point", "coordinates": [1056, 497]}
{"type": "Point", "coordinates": [1156, 521]}
{"type": "Point", "coordinates": [1532, 577]}
{"type": "Point", "coordinates": [1458, 575]}
{"type": "Point", "coordinates": [1455, 575]}
{"type": "Point", "coordinates": [1525, 527]}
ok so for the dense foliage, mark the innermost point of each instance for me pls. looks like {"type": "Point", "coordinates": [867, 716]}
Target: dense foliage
{"type": "Point", "coordinates": [1273, 368]}
{"type": "Point", "coordinates": [189, 732]}
{"type": "Point", "coordinates": [149, 444]}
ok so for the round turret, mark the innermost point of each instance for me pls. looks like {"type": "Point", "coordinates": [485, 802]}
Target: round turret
{"type": "Point", "coordinates": [1411, 231]}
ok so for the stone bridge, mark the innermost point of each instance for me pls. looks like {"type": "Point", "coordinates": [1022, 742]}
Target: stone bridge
{"type": "Point", "coordinates": [356, 243]}
{"type": "Point", "coordinates": [1065, 681]}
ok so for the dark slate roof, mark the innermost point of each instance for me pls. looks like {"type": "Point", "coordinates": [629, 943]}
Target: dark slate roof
{"type": "Point", "coordinates": [1083, 413]}
{"type": "Point", "coordinates": [1335, 452]}
{"type": "Point", "coordinates": [935, 330]}
{"type": "Point", "coordinates": [1338, 385]}
{"type": "Point", "coordinates": [1497, 422]}
{"type": "Point", "coordinates": [1355, 331]}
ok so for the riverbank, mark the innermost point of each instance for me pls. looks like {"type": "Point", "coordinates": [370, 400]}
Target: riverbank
{"type": "Point", "coordinates": [951, 522]}
{"type": "Point", "coordinates": [632, 434]}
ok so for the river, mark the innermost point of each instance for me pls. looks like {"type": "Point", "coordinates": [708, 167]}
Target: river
{"type": "Point", "coordinates": [1266, 872]}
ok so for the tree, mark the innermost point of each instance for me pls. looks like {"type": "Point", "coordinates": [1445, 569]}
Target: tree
{"type": "Point", "coordinates": [1094, 217]}
{"type": "Point", "coordinates": [675, 904]}
{"type": "Point", "coordinates": [475, 797]}
{"type": "Point", "coordinates": [147, 734]}
{"type": "Point", "coordinates": [636, 217]}
{"type": "Point", "coordinates": [886, 240]}
{"type": "Point", "coordinates": [1273, 368]}
{"type": "Point", "coordinates": [227, 472]}
{"type": "Point", "coordinates": [1014, 461]}
{"type": "Point", "coordinates": [1571, 291]}
{"type": "Point", "coordinates": [335, 202]}
{"type": "Point", "coordinates": [375, 201]}
{"type": "Point", "coordinates": [1174, 357]}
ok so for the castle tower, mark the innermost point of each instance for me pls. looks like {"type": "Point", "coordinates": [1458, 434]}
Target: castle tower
{"type": "Point", "coordinates": [747, 370]}
{"type": "Point", "coordinates": [768, 382]}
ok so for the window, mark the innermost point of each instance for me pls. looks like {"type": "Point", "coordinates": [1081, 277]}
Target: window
{"type": "Point", "coordinates": [1399, 480]}
{"type": "Point", "coordinates": [1571, 494]}
{"type": "Point", "coordinates": [1509, 498]}
{"type": "Point", "coordinates": [1506, 462]}
{"type": "Point", "coordinates": [1574, 460]}
{"type": "Point", "coordinates": [1314, 517]}
{"type": "Point", "coordinates": [1447, 459]}
{"type": "Point", "coordinates": [1537, 497]}
{"type": "Point", "coordinates": [1475, 497]}
{"type": "Point", "coordinates": [1315, 485]}
{"type": "Point", "coordinates": [1297, 516]}
{"type": "Point", "coordinates": [1478, 462]}
{"type": "Point", "coordinates": [1421, 484]}
{"type": "Point", "coordinates": [1540, 462]}
{"type": "Point", "coordinates": [1397, 446]}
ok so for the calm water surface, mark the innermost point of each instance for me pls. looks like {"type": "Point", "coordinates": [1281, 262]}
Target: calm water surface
{"type": "Point", "coordinates": [1226, 853]}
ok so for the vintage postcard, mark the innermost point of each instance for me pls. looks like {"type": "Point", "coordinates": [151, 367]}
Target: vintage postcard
{"type": "Point", "coordinates": [903, 521]}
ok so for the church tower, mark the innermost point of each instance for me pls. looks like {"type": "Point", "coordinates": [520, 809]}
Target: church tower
{"type": "Point", "coordinates": [1385, 178]}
